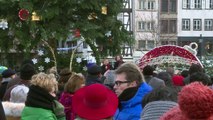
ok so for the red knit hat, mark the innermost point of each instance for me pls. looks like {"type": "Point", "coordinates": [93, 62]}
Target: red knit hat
{"type": "Point", "coordinates": [94, 102]}
{"type": "Point", "coordinates": [178, 80]}
{"type": "Point", "coordinates": [195, 103]}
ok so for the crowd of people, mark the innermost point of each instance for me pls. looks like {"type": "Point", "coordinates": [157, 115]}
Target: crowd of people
{"type": "Point", "coordinates": [122, 91]}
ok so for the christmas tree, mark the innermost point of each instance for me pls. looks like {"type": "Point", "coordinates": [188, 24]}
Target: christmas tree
{"type": "Point", "coordinates": [25, 24]}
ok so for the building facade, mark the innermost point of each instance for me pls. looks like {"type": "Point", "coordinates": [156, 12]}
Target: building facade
{"type": "Point", "coordinates": [146, 24]}
{"type": "Point", "coordinates": [155, 23]}
{"type": "Point", "coordinates": [195, 24]}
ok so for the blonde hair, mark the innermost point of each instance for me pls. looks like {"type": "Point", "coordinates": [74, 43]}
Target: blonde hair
{"type": "Point", "coordinates": [74, 83]}
{"type": "Point", "coordinates": [46, 81]}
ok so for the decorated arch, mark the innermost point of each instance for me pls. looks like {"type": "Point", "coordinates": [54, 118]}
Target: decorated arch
{"type": "Point", "coordinates": [169, 54]}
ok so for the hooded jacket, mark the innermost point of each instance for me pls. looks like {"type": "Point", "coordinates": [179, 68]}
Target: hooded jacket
{"type": "Point", "coordinates": [131, 109]}
{"type": "Point", "coordinates": [13, 110]}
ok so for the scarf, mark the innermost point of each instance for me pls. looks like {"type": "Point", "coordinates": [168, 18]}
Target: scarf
{"type": "Point", "coordinates": [40, 98]}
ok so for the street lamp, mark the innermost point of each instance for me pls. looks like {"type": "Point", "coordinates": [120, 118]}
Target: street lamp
{"type": "Point", "coordinates": [201, 46]}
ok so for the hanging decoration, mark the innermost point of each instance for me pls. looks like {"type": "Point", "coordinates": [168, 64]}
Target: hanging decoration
{"type": "Point", "coordinates": [40, 52]}
{"type": "Point", "coordinates": [78, 60]}
{"type": "Point", "coordinates": [104, 10]}
{"type": "Point", "coordinates": [41, 61]}
{"type": "Point", "coordinates": [35, 17]}
{"type": "Point", "coordinates": [85, 68]}
{"type": "Point", "coordinates": [34, 60]}
{"type": "Point", "coordinates": [3, 24]}
{"type": "Point", "coordinates": [108, 34]}
{"type": "Point", "coordinates": [92, 16]}
{"type": "Point", "coordinates": [41, 68]}
{"type": "Point", "coordinates": [47, 60]}
{"type": "Point", "coordinates": [23, 14]}
{"type": "Point", "coordinates": [77, 33]}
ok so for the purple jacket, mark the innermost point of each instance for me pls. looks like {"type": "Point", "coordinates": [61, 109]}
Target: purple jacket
{"type": "Point", "coordinates": [66, 101]}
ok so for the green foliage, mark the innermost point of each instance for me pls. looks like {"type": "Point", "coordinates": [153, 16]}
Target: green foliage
{"type": "Point", "coordinates": [58, 18]}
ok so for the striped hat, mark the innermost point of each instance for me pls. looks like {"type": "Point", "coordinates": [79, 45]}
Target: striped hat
{"type": "Point", "coordinates": [154, 110]}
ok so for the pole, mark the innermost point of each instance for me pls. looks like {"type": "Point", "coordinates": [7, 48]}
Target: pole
{"type": "Point", "coordinates": [201, 46]}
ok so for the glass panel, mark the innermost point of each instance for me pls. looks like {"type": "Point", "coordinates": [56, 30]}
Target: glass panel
{"type": "Point", "coordinates": [164, 6]}
{"type": "Point", "coordinates": [164, 26]}
{"type": "Point", "coordinates": [173, 26]}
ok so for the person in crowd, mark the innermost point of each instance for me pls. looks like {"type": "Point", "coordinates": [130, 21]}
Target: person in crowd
{"type": "Point", "coordinates": [157, 102]}
{"type": "Point", "coordinates": [41, 103]}
{"type": "Point", "coordinates": [177, 80]}
{"type": "Point", "coordinates": [170, 70]}
{"type": "Point", "coordinates": [26, 73]}
{"type": "Point", "coordinates": [200, 77]}
{"type": "Point", "coordinates": [2, 68]}
{"type": "Point", "coordinates": [53, 70]}
{"type": "Point", "coordinates": [17, 79]}
{"type": "Point", "coordinates": [2, 114]}
{"type": "Point", "coordinates": [110, 79]}
{"type": "Point", "coordinates": [74, 83]}
{"type": "Point", "coordinates": [130, 88]}
{"type": "Point", "coordinates": [155, 82]}
{"type": "Point", "coordinates": [64, 76]}
{"type": "Point", "coordinates": [94, 75]}
{"type": "Point", "coordinates": [7, 76]}
{"type": "Point", "coordinates": [195, 102]}
{"type": "Point", "coordinates": [193, 68]}
{"type": "Point", "coordinates": [95, 102]}
{"type": "Point", "coordinates": [15, 106]}
{"type": "Point", "coordinates": [105, 66]}
{"type": "Point", "coordinates": [184, 73]}
{"type": "Point", "coordinates": [118, 61]}
{"type": "Point", "coordinates": [166, 77]}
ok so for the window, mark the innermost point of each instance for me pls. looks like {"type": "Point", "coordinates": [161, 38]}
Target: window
{"type": "Point", "coordinates": [150, 44]}
{"type": "Point", "coordinates": [141, 25]}
{"type": "Point", "coordinates": [186, 24]}
{"type": "Point", "coordinates": [172, 26]}
{"type": "Point", "coordinates": [197, 4]}
{"type": "Point", "coordinates": [211, 4]}
{"type": "Point", "coordinates": [146, 4]}
{"type": "Point", "coordinates": [84, 45]}
{"type": "Point", "coordinates": [150, 26]}
{"type": "Point", "coordinates": [146, 25]}
{"type": "Point", "coordinates": [142, 4]}
{"type": "Point", "coordinates": [164, 26]}
{"type": "Point", "coordinates": [168, 26]}
{"type": "Point", "coordinates": [186, 4]}
{"type": "Point", "coordinates": [141, 44]}
{"type": "Point", "coordinates": [151, 5]}
{"type": "Point", "coordinates": [197, 24]}
{"type": "Point", "coordinates": [168, 6]}
{"type": "Point", "coordinates": [208, 24]}
{"type": "Point", "coordinates": [164, 42]}
{"type": "Point", "coordinates": [164, 6]}
{"type": "Point", "coordinates": [71, 43]}
{"type": "Point", "coordinates": [172, 6]}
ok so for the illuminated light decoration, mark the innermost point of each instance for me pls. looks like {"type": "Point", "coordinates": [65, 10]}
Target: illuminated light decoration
{"type": "Point", "coordinates": [35, 17]}
{"type": "Point", "coordinates": [41, 68]}
{"type": "Point", "coordinates": [108, 34]}
{"type": "Point", "coordinates": [104, 10]}
{"type": "Point", "coordinates": [92, 16]}
{"type": "Point", "coordinates": [47, 60]}
{"type": "Point", "coordinates": [34, 60]}
{"type": "Point", "coordinates": [3, 24]}
{"type": "Point", "coordinates": [40, 52]}
{"type": "Point", "coordinates": [23, 14]}
{"type": "Point", "coordinates": [78, 60]}
{"type": "Point", "coordinates": [168, 54]}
